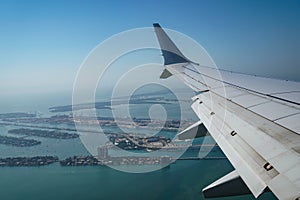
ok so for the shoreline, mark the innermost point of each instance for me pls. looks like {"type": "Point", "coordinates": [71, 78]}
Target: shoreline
{"type": "Point", "coordinates": [38, 161]}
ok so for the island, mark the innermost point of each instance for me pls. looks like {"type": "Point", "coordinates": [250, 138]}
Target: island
{"type": "Point", "coordinates": [27, 161]}
{"type": "Point", "coordinates": [16, 115]}
{"type": "Point", "coordinates": [80, 161]}
{"type": "Point", "coordinates": [108, 104]}
{"type": "Point", "coordinates": [126, 160]}
{"type": "Point", "coordinates": [19, 142]}
{"type": "Point", "coordinates": [124, 122]}
{"type": "Point", "coordinates": [44, 133]}
{"type": "Point", "coordinates": [134, 142]}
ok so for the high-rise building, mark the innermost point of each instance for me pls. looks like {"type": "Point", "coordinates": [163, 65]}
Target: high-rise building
{"type": "Point", "coordinates": [102, 153]}
{"type": "Point", "coordinates": [165, 160]}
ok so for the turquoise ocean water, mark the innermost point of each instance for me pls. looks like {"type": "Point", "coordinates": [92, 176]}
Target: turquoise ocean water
{"type": "Point", "coordinates": [182, 180]}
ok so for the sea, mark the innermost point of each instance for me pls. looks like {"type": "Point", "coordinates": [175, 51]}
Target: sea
{"type": "Point", "coordinates": [183, 179]}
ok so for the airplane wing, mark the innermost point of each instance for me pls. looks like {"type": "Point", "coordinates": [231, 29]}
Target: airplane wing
{"type": "Point", "coordinates": [254, 120]}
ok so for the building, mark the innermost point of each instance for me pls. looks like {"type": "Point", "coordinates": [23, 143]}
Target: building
{"type": "Point", "coordinates": [102, 153]}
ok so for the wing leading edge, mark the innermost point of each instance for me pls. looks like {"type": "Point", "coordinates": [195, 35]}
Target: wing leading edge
{"type": "Point", "coordinates": [254, 120]}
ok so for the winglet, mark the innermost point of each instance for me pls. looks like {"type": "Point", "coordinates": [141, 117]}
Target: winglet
{"type": "Point", "coordinates": [156, 25]}
{"type": "Point", "coordinates": [171, 54]}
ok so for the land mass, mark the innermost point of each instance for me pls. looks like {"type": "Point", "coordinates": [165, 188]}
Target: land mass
{"type": "Point", "coordinates": [16, 115]}
{"type": "Point", "coordinates": [43, 133]}
{"type": "Point", "coordinates": [27, 161]}
{"type": "Point", "coordinates": [133, 142]}
{"type": "Point", "coordinates": [168, 125]}
{"type": "Point", "coordinates": [126, 160]}
{"type": "Point", "coordinates": [19, 142]}
{"type": "Point", "coordinates": [108, 104]}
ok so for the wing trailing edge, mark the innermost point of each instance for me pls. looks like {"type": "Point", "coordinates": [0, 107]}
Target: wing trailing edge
{"type": "Point", "coordinates": [194, 131]}
{"type": "Point", "coordinates": [229, 185]}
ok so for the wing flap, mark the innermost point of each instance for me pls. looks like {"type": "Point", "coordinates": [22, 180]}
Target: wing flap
{"type": "Point", "coordinates": [274, 110]}
{"type": "Point", "coordinates": [194, 131]}
{"type": "Point", "coordinates": [291, 96]}
{"type": "Point", "coordinates": [229, 185]}
{"type": "Point", "coordinates": [244, 159]}
{"type": "Point", "coordinates": [283, 188]}
{"type": "Point", "coordinates": [292, 122]}
{"type": "Point", "coordinates": [250, 100]}
{"type": "Point", "coordinates": [252, 147]}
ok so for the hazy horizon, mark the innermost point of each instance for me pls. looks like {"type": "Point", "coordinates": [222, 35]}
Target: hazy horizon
{"type": "Point", "coordinates": [44, 43]}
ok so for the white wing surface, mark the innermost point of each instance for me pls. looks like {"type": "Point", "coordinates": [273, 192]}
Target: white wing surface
{"type": "Point", "coordinates": [254, 120]}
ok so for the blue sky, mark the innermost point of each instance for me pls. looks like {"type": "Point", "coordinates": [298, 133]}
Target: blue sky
{"type": "Point", "coordinates": [43, 43]}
